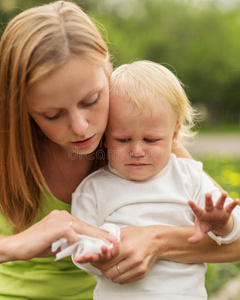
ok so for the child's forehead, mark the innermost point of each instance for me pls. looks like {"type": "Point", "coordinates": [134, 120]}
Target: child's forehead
{"type": "Point", "coordinates": [126, 113]}
{"type": "Point", "coordinates": [125, 107]}
{"type": "Point", "coordinates": [138, 104]}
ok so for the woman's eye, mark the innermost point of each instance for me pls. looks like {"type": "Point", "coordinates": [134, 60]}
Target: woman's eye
{"type": "Point", "coordinates": [92, 103]}
{"type": "Point", "coordinates": [52, 117]}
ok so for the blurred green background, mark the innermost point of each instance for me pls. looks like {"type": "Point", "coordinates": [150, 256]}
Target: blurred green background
{"type": "Point", "coordinates": [199, 40]}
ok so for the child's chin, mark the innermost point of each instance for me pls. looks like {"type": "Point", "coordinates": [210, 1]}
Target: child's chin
{"type": "Point", "coordinates": [138, 177]}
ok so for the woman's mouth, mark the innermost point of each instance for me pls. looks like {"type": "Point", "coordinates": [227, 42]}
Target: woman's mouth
{"type": "Point", "coordinates": [84, 143]}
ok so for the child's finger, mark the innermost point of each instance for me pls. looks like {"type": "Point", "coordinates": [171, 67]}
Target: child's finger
{"type": "Point", "coordinates": [221, 201]}
{"type": "Point", "coordinates": [200, 229]}
{"type": "Point", "coordinates": [197, 237]}
{"type": "Point", "coordinates": [116, 249]}
{"type": "Point", "coordinates": [105, 254]}
{"type": "Point", "coordinates": [104, 250]}
{"type": "Point", "coordinates": [88, 257]}
{"type": "Point", "coordinates": [208, 203]}
{"type": "Point", "coordinates": [195, 208]}
{"type": "Point", "coordinates": [230, 207]}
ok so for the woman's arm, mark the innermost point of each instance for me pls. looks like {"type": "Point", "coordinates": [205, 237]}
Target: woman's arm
{"type": "Point", "coordinates": [178, 249]}
{"type": "Point", "coordinates": [142, 246]}
{"type": "Point", "coordinates": [36, 241]}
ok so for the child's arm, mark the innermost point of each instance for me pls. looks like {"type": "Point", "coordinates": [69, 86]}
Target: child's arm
{"type": "Point", "coordinates": [215, 218]}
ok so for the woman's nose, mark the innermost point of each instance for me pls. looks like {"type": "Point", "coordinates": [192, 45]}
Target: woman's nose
{"type": "Point", "coordinates": [137, 150]}
{"type": "Point", "coordinates": [79, 124]}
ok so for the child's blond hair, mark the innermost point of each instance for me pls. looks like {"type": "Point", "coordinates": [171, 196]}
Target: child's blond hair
{"type": "Point", "coordinates": [142, 81]}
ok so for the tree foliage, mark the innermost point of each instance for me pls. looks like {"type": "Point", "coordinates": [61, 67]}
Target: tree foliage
{"type": "Point", "coordinates": [200, 43]}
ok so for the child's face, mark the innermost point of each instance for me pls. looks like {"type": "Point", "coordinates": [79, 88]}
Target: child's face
{"type": "Point", "coordinates": [139, 143]}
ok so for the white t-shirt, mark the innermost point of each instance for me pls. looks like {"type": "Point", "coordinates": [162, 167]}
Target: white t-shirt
{"type": "Point", "coordinates": [107, 197]}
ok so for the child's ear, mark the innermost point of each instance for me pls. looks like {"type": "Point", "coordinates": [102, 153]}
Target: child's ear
{"type": "Point", "coordinates": [176, 132]}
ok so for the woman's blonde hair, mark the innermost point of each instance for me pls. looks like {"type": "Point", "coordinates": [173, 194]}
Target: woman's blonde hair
{"type": "Point", "coordinates": [34, 43]}
{"type": "Point", "coordinates": [142, 81]}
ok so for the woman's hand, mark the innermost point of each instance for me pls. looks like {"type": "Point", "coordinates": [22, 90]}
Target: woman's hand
{"type": "Point", "coordinates": [139, 249]}
{"type": "Point", "coordinates": [36, 241]}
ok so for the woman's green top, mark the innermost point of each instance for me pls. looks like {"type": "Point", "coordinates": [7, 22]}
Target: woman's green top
{"type": "Point", "coordinates": [43, 278]}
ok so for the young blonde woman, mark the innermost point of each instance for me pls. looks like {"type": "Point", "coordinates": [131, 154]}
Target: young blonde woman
{"type": "Point", "coordinates": [54, 101]}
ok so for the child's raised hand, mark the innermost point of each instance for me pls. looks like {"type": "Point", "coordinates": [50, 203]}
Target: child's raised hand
{"type": "Point", "coordinates": [215, 218]}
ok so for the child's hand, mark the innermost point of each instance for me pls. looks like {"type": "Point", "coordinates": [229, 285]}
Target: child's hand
{"type": "Point", "coordinates": [105, 255]}
{"type": "Point", "coordinates": [216, 218]}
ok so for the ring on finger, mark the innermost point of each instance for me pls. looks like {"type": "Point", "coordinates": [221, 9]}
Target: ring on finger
{"type": "Point", "coordinates": [117, 266]}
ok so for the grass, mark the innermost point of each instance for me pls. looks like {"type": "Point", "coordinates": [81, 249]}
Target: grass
{"type": "Point", "coordinates": [225, 170]}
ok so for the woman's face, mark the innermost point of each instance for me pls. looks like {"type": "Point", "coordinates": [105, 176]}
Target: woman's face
{"type": "Point", "coordinates": [71, 105]}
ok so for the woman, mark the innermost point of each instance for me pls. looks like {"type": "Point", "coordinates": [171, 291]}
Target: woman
{"type": "Point", "coordinates": [54, 72]}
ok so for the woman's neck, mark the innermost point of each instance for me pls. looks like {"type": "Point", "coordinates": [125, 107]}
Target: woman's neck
{"type": "Point", "coordinates": [63, 172]}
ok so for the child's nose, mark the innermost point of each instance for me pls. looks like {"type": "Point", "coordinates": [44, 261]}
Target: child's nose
{"type": "Point", "coordinates": [137, 150]}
